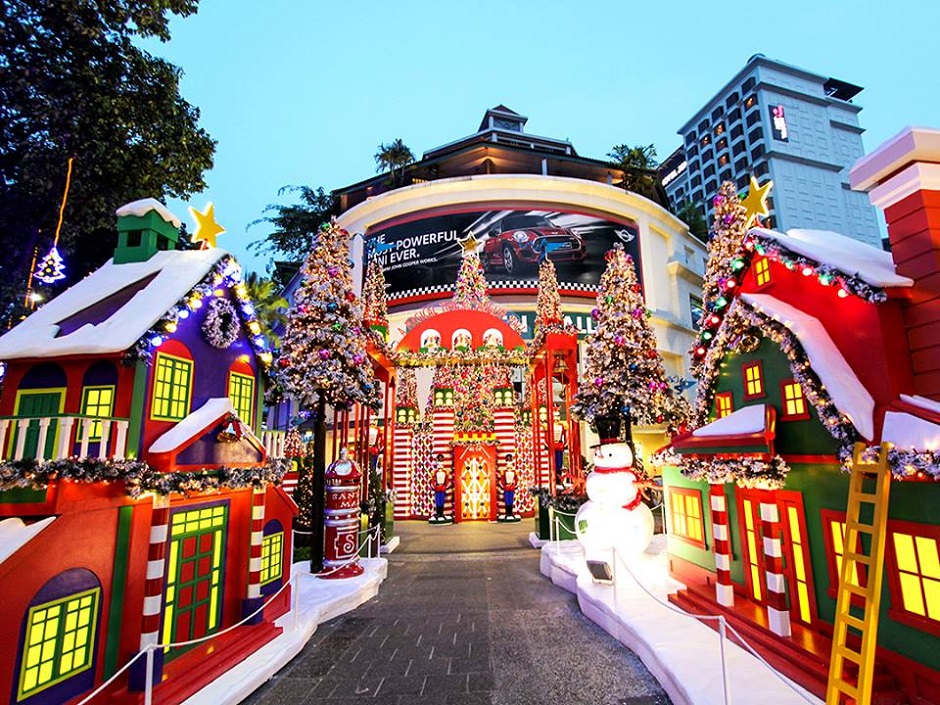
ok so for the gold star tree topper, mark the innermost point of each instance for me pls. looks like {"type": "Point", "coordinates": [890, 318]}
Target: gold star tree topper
{"type": "Point", "coordinates": [756, 200]}
{"type": "Point", "coordinates": [206, 226]}
{"type": "Point", "coordinates": [469, 244]}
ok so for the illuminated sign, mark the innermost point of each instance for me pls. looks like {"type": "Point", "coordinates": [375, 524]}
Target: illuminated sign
{"type": "Point", "coordinates": [583, 322]}
{"type": "Point", "coordinates": [778, 123]}
{"type": "Point", "coordinates": [675, 172]}
{"type": "Point", "coordinates": [420, 257]}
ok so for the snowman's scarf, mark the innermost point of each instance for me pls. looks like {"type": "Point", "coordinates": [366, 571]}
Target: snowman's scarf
{"type": "Point", "coordinates": [635, 502]}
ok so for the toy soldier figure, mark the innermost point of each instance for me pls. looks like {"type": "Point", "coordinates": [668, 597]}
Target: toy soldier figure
{"type": "Point", "coordinates": [441, 483]}
{"type": "Point", "coordinates": [508, 484]}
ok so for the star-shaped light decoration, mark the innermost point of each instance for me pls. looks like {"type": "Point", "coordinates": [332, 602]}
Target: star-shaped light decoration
{"type": "Point", "coordinates": [206, 227]}
{"type": "Point", "coordinates": [469, 244]}
{"type": "Point", "coordinates": [755, 203]}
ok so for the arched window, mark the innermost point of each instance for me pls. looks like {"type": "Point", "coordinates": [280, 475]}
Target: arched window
{"type": "Point", "coordinates": [59, 640]}
{"type": "Point", "coordinates": [272, 557]}
{"type": "Point", "coordinates": [493, 338]}
{"type": "Point", "coordinates": [430, 339]}
{"type": "Point", "coordinates": [241, 390]}
{"type": "Point", "coordinates": [461, 339]}
{"type": "Point", "coordinates": [173, 370]}
{"type": "Point", "coordinates": [41, 394]}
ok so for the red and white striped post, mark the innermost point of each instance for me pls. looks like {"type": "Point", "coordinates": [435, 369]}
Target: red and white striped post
{"type": "Point", "coordinates": [254, 601]}
{"type": "Point", "coordinates": [401, 470]}
{"type": "Point", "coordinates": [504, 423]}
{"type": "Point", "coordinates": [724, 591]}
{"type": "Point", "coordinates": [778, 617]}
{"type": "Point", "coordinates": [443, 439]}
{"type": "Point", "coordinates": [153, 596]}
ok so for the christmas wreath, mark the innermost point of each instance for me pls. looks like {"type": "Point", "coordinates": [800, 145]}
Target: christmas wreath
{"type": "Point", "coordinates": [221, 324]}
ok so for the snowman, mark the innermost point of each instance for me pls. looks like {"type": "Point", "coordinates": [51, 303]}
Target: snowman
{"type": "Point", "coordinates": [614, 516]}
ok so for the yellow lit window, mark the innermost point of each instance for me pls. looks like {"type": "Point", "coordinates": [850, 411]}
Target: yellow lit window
{"type": "Point", "coordinates": [754, 543]}
{"type": "Point", "coordinates": [794, 403]}
{"type": "Point", "coordinates": [171, 388]}
{"type": "Point", "coordinates": [271, 551]}
{"type": "Point", "coordinates": [60, 640]}
{"type": "Point", "coordinates": [685, 514]}
{"type": "Point", "coordinates": [762, 271]}
{"type": "Point", "coordinates": [97, 404]}
{"type": "Point", "coordinates": [241, 390]}
{"type": "Point", "coordinates": [918, 574]}
{"type": "Point", "coordinates": [837, 537]}
{"type": "Point", "coordinates": [723, 405]}
{"type": "Point", "coordinates": [753, 381]}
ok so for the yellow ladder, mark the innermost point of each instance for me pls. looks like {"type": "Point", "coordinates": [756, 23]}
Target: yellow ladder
{"type": "Point", "coordinates": [868, 598]}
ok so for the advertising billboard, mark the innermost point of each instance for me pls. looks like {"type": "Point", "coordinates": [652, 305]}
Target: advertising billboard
{"type": "Point", "coordinates": [421, 256]}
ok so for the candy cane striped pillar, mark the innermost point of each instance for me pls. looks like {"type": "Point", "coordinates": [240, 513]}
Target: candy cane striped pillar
{"type": "Point", "coordinates": [401, 470]}
{"type": "Point", "coordinates": [724, 592]}
{"type": "Point", "coordinates": [778, 616]}
{"type": "Point", "coordinates": [153, 596]}
{"type": "Point", "coordinates": [504, 423]}
{"type": "Point", "coordinates": [443, 437]}
{"type": "Point", "coordinates": [253, 601]}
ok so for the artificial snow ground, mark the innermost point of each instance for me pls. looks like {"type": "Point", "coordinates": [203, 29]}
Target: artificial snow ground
{"type": "Point", "coordinates": [681, 653]}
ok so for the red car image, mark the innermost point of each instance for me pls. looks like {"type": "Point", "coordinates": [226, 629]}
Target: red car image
{"type": "Point", "coordinates": [521, 240]}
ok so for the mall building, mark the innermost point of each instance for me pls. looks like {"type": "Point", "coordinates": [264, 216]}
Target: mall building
{"type": "Point", "coordinates": [513, 192]}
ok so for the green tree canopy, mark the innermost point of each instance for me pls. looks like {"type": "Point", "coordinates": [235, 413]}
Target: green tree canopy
{"type": "Point", "coordinates": [296, 224]}
{"type": "Point", "coordinates": [691, 214]}
{"type": "Point", "coordinates": [639, 169]}
{"type": "Point", "coordinates": [73, 83]}
{"type": "Point", "coordinates": [393, 158]}
{"type": "Point", "coordinates": [270, 307]}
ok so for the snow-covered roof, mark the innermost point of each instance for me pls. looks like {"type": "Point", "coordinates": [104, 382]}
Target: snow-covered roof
{"type": "Point", "coordinates": [842, 384]}
{"type": "Point", "coordinates": [921, 402]}
{"type": "Point", "coordinates": [909, 432]}
{"type": "Point", "coordinates": [747, 419]}
{"type": "Point", "coordinates": [194, 424]}
{"type": "Point", "coordinates": [145, 205]}
{"type": "Point", "coordinates": [872, 265]}
{"type": "Point", "coordinates": [15, 533]}
{"type": "Point", "coordinates": [163, 280]}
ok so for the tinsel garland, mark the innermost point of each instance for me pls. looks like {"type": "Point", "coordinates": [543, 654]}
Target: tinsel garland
{"type": "Point", "coordinates": [225, 272]}
{"type": "Point", "coordinates": [138, 477]}
{"type": "Point", "coordinates": [745, 471]}
{"type": "Point", "coordinates": [221, 325]}
{"type": "Point", "coordinates": [740, 319]}
{"type": "Point", "coordinates": [904, 464]}
{"type": "Point", "coordinates": [485, 355]}
{"type": "Point", "coordinates": [828, 275]}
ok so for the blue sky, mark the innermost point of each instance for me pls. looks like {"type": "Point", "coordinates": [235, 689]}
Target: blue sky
{"type": "Point", "coordinates": [303, 91]}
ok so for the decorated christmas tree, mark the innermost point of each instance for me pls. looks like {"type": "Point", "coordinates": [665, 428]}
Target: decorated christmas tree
{"type": "Point", "coordinates": [548, 304]}
{"type": "Point", "coordinates": [374, 308]}
{"type": "Point", "coordinates": [624, 374]}
{"type": "Point", "coordinates": [727, 235]}
{"type": "Point", "coordinates": [323, 359]}
{"type": "Point", "coordinates": [470, 289]}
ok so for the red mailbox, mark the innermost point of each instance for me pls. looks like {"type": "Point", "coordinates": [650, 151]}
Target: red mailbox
{"type": "Point", "coordinates": [341, 534]}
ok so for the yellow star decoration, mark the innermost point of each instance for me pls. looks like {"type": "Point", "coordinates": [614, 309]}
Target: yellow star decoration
{"type": "Point", "coordinates": [755, 203]}
{"type": "Point", "coordinates": [206, 227]}
{"type": "Point", "coordinates": [469, 244]}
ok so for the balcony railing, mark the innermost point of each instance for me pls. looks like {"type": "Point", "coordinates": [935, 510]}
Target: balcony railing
{"type": "Point", "coordinates": [62, 436]}
{"type": "Point", "coordinates": [273, 442]}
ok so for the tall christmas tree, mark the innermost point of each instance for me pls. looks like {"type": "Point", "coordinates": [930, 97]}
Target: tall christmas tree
{"type": "Point", "coordinates": [374, 307]}
{"type": "Point", "coordinates": [323, 354]}
{"type": "Point", "coordinates": [729, 228]}
{"type": "Point", "coordinates": [470, 289]}
{"type": "Point", "coordinates": [624, 374]}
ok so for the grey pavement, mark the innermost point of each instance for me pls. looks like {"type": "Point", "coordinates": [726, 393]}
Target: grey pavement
{"type": "Point", "coordinates": [464, 618]}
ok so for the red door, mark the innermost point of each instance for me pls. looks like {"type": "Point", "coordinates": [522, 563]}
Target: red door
{"type": "Point", "coordinates": [474, 482]}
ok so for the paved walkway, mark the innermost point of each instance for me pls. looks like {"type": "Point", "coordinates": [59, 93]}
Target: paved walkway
{"type": "Point", "coordinates": [477, 627]}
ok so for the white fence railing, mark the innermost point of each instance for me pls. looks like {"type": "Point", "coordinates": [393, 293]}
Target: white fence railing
{"type": "Point", "coordinates": [58, 437]}
{"type": "Point", "coordinates": [273, 442]}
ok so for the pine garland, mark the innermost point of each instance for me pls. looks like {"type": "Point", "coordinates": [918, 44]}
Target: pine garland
{"type": "Point", "coordinates": [745, 471]}
{"type": "Point", "coordinates": [138, 477]}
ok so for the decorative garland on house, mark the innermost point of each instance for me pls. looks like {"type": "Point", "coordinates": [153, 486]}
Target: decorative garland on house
{"type": "Point", "coordinates": [745, 471]}
{"type": "Point", "coordinates": [226, 273]}
{"type": "Point", "coordinates": [484, 355]}
{"type": "Point", "coordinates": [138, 477]}
{"type": "Point", "coordinates": [221, 325]}
{"type": "Point", "coordinates": [904, 464]}
{"type": "Point", "coordinates": [736, 328]}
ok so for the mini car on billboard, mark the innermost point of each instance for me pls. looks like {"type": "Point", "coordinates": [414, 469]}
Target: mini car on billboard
{"type": "Point", "coordinates": [520, 240]}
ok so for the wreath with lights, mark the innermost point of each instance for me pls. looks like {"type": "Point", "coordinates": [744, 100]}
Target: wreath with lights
{"type": "Point", "coordinates": [221, 324]}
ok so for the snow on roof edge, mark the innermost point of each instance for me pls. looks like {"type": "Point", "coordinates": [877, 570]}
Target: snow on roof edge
{"type": "Point", "coordinates": [747, 419]}
{"type": "Point", "coordinates": [145, 205]}
{"type": "Point", "coordinates": [909, 432]}
{"type": "Point", "coordinates": [845, 389]}
{"type": "Point", "coordinates": [15, 533]}
{"type": "Point", "coordinates": [196, 422]}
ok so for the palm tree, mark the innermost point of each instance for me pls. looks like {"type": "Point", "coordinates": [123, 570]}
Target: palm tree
{"type": "Point", "coordinates": [638, 165]}
{"type": "Point", "coordinates": [393, 158]}
{"type": "Point", "coordinates": [270, 307]}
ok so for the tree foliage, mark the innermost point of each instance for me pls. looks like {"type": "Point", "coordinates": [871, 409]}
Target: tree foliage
{"type": "Point", "coordinates": [638, 165]}
{"type": "Point", "coordinates": [691, 214]}
{"type": "Point", "coordinates": [73, 83]}
{"type": "Point", "coordinates": [393, 158]}
{"type": "Point", "coordinates": [270, 307]}
{"type": "Point", "coordinates": [296, 224]}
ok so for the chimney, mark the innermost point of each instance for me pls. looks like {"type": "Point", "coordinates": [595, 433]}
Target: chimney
{"type": "Point", "coordinates": [902, 177]}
